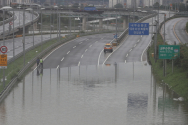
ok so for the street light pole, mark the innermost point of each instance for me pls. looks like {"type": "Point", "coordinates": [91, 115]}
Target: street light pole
{"type": "Point", "coordinates": [59, 28]}
{"type": "Point", "coordinates": [23, 40]}
{"type": "Point", "coordinates": [3, 45]}
{"type": "Point", "coordinates": [13, 36]}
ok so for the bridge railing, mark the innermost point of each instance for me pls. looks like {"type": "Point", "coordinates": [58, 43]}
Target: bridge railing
{"type": "Point", "coordinates": [16, 29]}
{"type": "Point", "coordinates": [7, 20]}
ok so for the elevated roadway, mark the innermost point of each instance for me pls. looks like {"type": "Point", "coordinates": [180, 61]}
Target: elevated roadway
{"type": "Point", "coordinates": [18, 22]}
{"type": "Point", "coordinates": [175, 31]}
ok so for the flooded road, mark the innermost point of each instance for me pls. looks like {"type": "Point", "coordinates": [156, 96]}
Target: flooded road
{"type": "Point", "coordinates": [122, 94]}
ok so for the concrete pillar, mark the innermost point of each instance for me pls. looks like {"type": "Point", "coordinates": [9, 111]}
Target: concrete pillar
{"type": "Point", "coordinates": [125, 22]}
{"type": "Point", "coordinates": [35, 26]}
{"type": "Point", "coordinates": [100, 24]}
{"type": "Point", "coordinates": [84, 23]}
{"type": "Point", "coordinates": [27, 29]}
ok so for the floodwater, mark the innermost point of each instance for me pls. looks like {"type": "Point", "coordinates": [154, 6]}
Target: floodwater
{"type": "Point", "coordinates": [122, 94]}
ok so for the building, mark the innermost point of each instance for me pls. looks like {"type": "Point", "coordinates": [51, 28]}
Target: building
{"type": "Point", "coordinates": [7, 2]}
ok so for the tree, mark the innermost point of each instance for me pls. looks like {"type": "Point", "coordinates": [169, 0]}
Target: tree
{"type": "Point", "coordinates": [156, 5]}
{"type": "Point", "coordinates": [75, 5]}
{"type": "Point", "coordinates": [119, 5]}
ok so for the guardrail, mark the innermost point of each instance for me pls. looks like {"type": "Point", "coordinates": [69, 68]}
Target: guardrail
{"type": "Point", "coordinates": [7, 20]}
{"type": "Point", "coordinates": [16, 29]}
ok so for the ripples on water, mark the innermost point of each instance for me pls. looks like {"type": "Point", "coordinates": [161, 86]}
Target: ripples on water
{"type": "Point", "coordinates": [125, 94]}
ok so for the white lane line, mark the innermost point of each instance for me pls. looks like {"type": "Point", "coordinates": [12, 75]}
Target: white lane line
{"type": "Point", "coordinates": [101, 38]}
{"type": "Point", "coordinates": [82, 56]}
{"type": "Point", "coordinates": [141, 35]}
{"type": "Point", "coordinates": [96, 41]}
{"type": "Point", "coordinates": [57, 67]}
{"type": "Point", "coordinates": [125, 61]}
{"type": "Point", "coordinates": [135, 45]}
{"type": "Point", "coordinates": [78, 63]}
{"type": "Point", "coordinates": [80, 43]}
{"type": "Point", "coordinates": [62, 59]}
{"type": "Point", "coordinates": [130, 50]}
{"type": "Point", "coordinates": [74, 47]}
{"type": "Point", "coordinates": [127, 55]}
{"type": "Point", "coordinates": [90, 46]}
{"type": "Point", "coordinates": [86, 50]}
{"type": "Point", "coordinates": [144, 51]}
{"type": "Point", "coordinates": [138, 41]}
{"type": "Point", "coordinates": [68, 52]}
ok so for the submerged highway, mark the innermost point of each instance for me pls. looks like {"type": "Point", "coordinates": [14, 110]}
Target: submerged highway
{"type": "Point", "coordinates": [75, 88]}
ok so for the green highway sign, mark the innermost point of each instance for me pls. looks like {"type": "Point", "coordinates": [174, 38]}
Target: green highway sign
{"type": "Point", "coordinates": [169, 51]}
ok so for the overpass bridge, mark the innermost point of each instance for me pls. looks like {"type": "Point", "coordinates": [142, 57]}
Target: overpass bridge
{"type": "Point", "coordinates": [109, 14]}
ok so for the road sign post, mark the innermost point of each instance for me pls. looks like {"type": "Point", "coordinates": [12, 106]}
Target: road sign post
{"type": "Point", "coordinates": [138, 28]}
{"type": "Point", "coordinates": [169, 51]}
{"type": "Point", "coordinates": [3, 49]}
{"type": "Point", "coordinates": [3, 61]}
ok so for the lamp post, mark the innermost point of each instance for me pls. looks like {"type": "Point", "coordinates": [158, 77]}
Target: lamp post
{"type": "Point", "coordinates": [41, 28]}
{"type": "Point", "coordinates": [65, 27]}
{"type": "Point", "coordinates": [74, 22]}
{"type": "Point", "coordinates": [19, 15]}
{"type": "Point", "coordinates": [57, 17]}
{"type": "Point", "coordinates": [30, 9]}
{"type": "Point", "coordinates": [51, 26]}
{"type": "Point", "coordinates": [4, 8]}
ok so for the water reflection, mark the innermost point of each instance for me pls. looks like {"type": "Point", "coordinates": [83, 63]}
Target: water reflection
{"type": "Point", "coordinates": [114, 94]}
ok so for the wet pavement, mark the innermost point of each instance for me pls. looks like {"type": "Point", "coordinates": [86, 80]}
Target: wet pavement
{"type": "Point", "coordinates": [122, 94]}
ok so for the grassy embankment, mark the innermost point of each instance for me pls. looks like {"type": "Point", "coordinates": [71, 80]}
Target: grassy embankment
{"type": "Point", "coordinates": [178, 79]}
{"type": "Point", "coordinates": [14, 67]}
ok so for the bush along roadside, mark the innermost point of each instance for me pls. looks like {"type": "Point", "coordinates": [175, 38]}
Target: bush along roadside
{"type": "Point", "coordinates": [178, 79]}
{"type": "Point", "coordinates": [187, 27]}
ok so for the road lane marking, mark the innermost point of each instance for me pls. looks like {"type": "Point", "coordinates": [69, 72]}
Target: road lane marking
{"type": "Point", "coordinates": [90, 46]}
{"type": "Point", "coordinates": [96, 41]}
{"type": "Point", "coordinates": [138, 41]}
{"type": "Point", "coordinates": [130, 50]}
{"type": "Point", "coordinates": [62, 59]}
{"type": "Point", "coordinates": [68, 52]}
{"type": "Point", "coordinates": [141, 35]}
{"type": "Point", "coordinates": [80, 43]}
{"type": "Point", "coordinates": [135, 45]}
{"type": "Point", "coordinates": [78, 63]}
{"type": "Point", "coordinates": [125, 61]}
{"type": "Point", "coordinates": [85, 50]}
{"type": "Point", "coordinates": [127, 55]}
{"type": "Point", "coordinates": [82, 56]}
{"type": "Point", "coordinates": [57, 67]}
{"type": "Point", "coordinates": [74, 47]}
{"type": "Point", "coordinates": [144, 51]}
{"type": "Point", "coordinates": [175, 32]}
{"type": "Point", "coordinates": [110, 53]}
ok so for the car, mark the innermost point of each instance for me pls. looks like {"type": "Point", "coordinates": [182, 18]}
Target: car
{"type": "Point", "coordinates": [108, 47]}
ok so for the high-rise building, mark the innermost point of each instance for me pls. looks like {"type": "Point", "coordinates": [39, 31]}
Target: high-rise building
{"type": "Point", "coordinates": [114, 2]}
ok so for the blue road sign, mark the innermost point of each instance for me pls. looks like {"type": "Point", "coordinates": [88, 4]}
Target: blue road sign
{"type": "Point", "coordinates": [138, 28]}
{"type": "Point", "coordinates": [115, 36]}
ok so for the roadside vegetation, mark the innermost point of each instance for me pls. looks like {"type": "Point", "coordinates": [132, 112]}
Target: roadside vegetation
{"type": "Point", "coordinates": [187, 27]}
{"type": "Point", "coordinates": [14, 67]}
{"type": "Point", "coordinates": [178, 79]}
